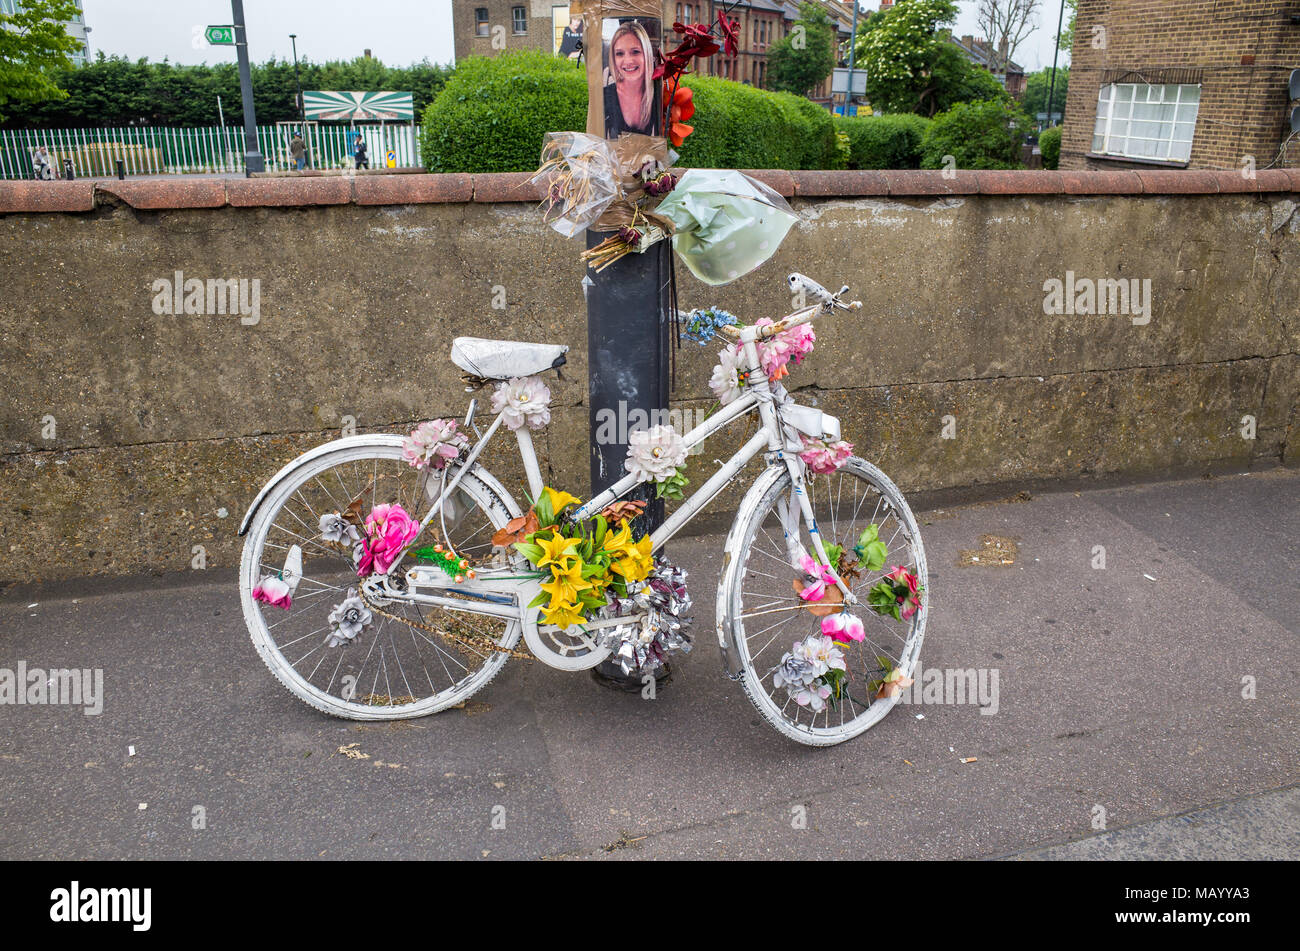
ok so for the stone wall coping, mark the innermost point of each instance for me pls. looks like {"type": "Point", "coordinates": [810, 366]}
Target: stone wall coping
{"type": "Point", "coordinates": [26, 197]}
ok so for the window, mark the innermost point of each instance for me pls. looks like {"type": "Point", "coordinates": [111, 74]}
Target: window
{"type": "Point", "coordinates": [480, 21]}
{"type": "Point", "coordinates": [1137, 120]}
{"type": "Point", "coordinates": [520, 17]}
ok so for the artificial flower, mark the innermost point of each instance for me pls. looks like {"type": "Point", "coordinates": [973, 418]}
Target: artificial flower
{"type": "Point", "coordinates": [636, 560]}
{"type": "Point", "coordinates": [843, 628]}
{"type": "Point", "coordinates": [894, 683]}
{"type": "Point", "coordinates": [824, 457]}
{"type": "Point", "coordinates": [654, 455]}
{"type": "Point", "coordinates": [560, 500]}
{"type": "Point", "coordinates": [730, 34]}
{"type": "Point", "coordinates": [682, 108]}
{"type": "Point", "coordinates": [557, 550]}
{"type": "Point", "coordinates": [776, 352]}
{"type": "Point", "coordinates": [725, 382]}
{"type": "Point", "coordinates": [335, 528]}
{"type": "Point", "coordinates": [273, 590]}
{"type": "Point", "coordinates": [434, 444]}
{"type": "Point", "coordinates": [821, 576]}
{"type": "Point", "coordinates": [562, 615]}
{"type": "Point", "coordinates": [348, 619]}
{"type": "Point", "coordinates": [388, 530]}
{"type": "Point", "coordinates": [523, 401]}
{"type": "Point", "coordinates": [910, 599]}
{"type": "Point", "coordinates": [565, 583]}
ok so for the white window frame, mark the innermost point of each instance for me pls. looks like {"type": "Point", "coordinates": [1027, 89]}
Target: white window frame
{"type": "Point", "coordinates": [1110, 102]}
{"type": "Point", "coordinates": [519, 17]}
{"type": "Point", "coordinates": [482, 25]}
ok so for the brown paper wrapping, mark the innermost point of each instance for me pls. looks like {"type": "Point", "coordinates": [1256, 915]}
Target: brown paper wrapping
{"type": "Point", "coordinates": [633, 152]}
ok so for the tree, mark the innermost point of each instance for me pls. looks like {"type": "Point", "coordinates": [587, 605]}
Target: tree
{"type": "Point", "coordinates": [798, 62]}
{"type": "Point", "coordinates": [1065, 39]}
{"type": "Point", "coordinates": [33, 45]}
{"type": "Point", "coordinates": [911, 64]}
{"type": "Point", "coordinates": [1006, 24]}
{"type": "Point", "coordinates": [1036, 86]}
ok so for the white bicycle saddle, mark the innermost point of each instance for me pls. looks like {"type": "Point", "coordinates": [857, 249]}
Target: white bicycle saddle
{"type": "Point", "coordinates": [504, 359]}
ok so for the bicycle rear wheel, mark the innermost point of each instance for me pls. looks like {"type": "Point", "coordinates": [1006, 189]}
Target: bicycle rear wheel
{"type": "Point", "coordinates": [388, 670]}
{"type": "Point", "coordinates": [760, 612]}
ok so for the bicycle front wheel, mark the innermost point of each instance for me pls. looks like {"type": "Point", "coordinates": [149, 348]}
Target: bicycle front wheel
{"type": "Point", "coordinates": [763, 617]}
{"type": "Point", "coordinates": [385, 669]}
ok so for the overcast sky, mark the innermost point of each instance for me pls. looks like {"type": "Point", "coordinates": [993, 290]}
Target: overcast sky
{"type": "Point", "coordinates": [398, 32]}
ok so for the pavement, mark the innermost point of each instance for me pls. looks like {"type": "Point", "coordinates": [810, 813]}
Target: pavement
{"type": "Point", "coordinates": [1147, 709]}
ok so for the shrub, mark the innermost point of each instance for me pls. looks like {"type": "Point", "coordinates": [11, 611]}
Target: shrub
{"type": "Point", "coordinates": [892, 141]}
{"type": "Point", "coordinates": [976, 135]}
{"type": "Point", "coordinates": [737, 126]}
{"type": "Point", "coordinates": [494, 111]}
{"type": "Point", "coordinates": [1049, 143]}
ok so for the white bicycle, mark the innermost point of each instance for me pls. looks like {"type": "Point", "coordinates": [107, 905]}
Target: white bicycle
{"type": "Point", "coordinates": [433, 639]}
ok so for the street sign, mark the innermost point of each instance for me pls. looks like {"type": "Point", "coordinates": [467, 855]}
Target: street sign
{"type": "Point", "coordinates": [220, 35]}
{"type": "Point", "coordinates": [390, 158]}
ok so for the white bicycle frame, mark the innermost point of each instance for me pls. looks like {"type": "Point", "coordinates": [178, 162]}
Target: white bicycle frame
{"type": "Point", "coordinates": [496, 592]}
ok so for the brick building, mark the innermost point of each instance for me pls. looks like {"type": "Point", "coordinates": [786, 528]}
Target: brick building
{"type": "Point", "coordinates": [485, 27]}
{"type": "Point", "coordinates": [1192, 84]}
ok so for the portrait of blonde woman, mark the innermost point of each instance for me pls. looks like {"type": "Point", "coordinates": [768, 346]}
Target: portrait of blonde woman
{"type": "Point", "coordinates": [631, 100]}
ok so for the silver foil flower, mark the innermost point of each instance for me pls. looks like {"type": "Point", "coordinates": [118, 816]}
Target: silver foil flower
{"type": "Point", "coordinates": [335, 528]}
{"type": "Point", "coordinates": [641, 645]}
{"type": "Point", "coordinates": [348, 619]}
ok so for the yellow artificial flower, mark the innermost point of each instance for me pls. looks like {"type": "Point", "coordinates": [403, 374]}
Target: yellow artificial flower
{"type": "Point", "coordinates": [559, 500]}
{"type": "Point", "coordinates": [557, 550]}
{"type": "Point", "coordinates": [565, 583]}
{"type": "Point", "coordinates": [616, 541]}
{"type": "Point", "coordinates": [636, 561]}
{"type": "Point", "coordinates": [562, 614]}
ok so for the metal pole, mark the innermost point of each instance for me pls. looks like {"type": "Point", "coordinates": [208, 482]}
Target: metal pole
{"type": "Point", "coordinates": [627, 370]}
{"type": "Point", "coordinates": [253, 159]}
{"type": "Point", "coordinates": [302, 107]}
{"type": "Point", "coordinates": [853, 43]}
{"type": "Point", "coordinates": [1051, 88]}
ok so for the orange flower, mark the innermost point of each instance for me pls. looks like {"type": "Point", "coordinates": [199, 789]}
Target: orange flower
{"type": "Point", "coordinates": [683, 107]}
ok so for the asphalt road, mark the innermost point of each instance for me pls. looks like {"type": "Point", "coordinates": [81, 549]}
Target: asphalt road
{"type": "Point", "coordinates": [1120, 701]}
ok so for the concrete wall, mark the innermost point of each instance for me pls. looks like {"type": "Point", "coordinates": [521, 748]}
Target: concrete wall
{"type": "Point", "coordinates": [128, 437]}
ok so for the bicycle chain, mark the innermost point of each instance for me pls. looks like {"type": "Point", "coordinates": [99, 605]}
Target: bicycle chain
{"type": "Point", "coordinates": [473, 642]}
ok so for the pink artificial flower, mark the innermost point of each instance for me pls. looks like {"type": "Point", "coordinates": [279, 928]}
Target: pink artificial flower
{"type": "Point", "coordinates": [821, 576]}
{"type": "Point", "coordinates": [825, 457]}
{"type": "Point", "coordinates": [843, 627]}
{"type": "Point", "coordinates": [776, 353]}
{"type": "Point", "coordinates": [433, 443]}
{"type": "Point", "coordinates": [389, 529]}
{"type": "Point", "coordinates": [912, 600]}
{"type": "Point", "coordinates": [275, 591]}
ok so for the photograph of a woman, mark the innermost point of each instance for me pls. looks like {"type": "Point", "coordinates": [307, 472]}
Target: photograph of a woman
{"type": "Point", "coordinates": [631, 94]}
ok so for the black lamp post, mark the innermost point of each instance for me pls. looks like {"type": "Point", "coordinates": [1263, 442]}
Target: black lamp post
{"type": "Point", "coordinates": [1051, 88]}
{"type": "Point", "coordinates": [302, 106]}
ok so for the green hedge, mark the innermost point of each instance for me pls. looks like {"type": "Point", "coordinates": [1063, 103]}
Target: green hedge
{"type": "Point", "coordinates": [737, 126]}
{"type": "Point", "coordinates": [889, 141]}
{"type": "Point", "coordinates": [976, 135]}
{"type": "Point", "coordinates": [494, 111]}
{"type": "Point", "coordinates": [1049, 143]}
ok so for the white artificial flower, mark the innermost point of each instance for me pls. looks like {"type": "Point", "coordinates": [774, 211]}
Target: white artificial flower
{"type": "Point", "coordinates": [653, 455]}
{"type": "Point", "coordinates": [725, 382]}
{"type": "Point", "coordinates": [348, 619]}
{"type": "Point", "coordinates": [335, 528]}
{"type": "Point", "coordinates": [523, 401]}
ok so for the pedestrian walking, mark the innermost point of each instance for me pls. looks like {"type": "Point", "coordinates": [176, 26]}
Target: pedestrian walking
{"type": "Point", "coordinates": [363, 160]}
{"type": "Point", "coordinates": [298, 149]}
{"type": "Point", "coordinates": [42, 167]}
